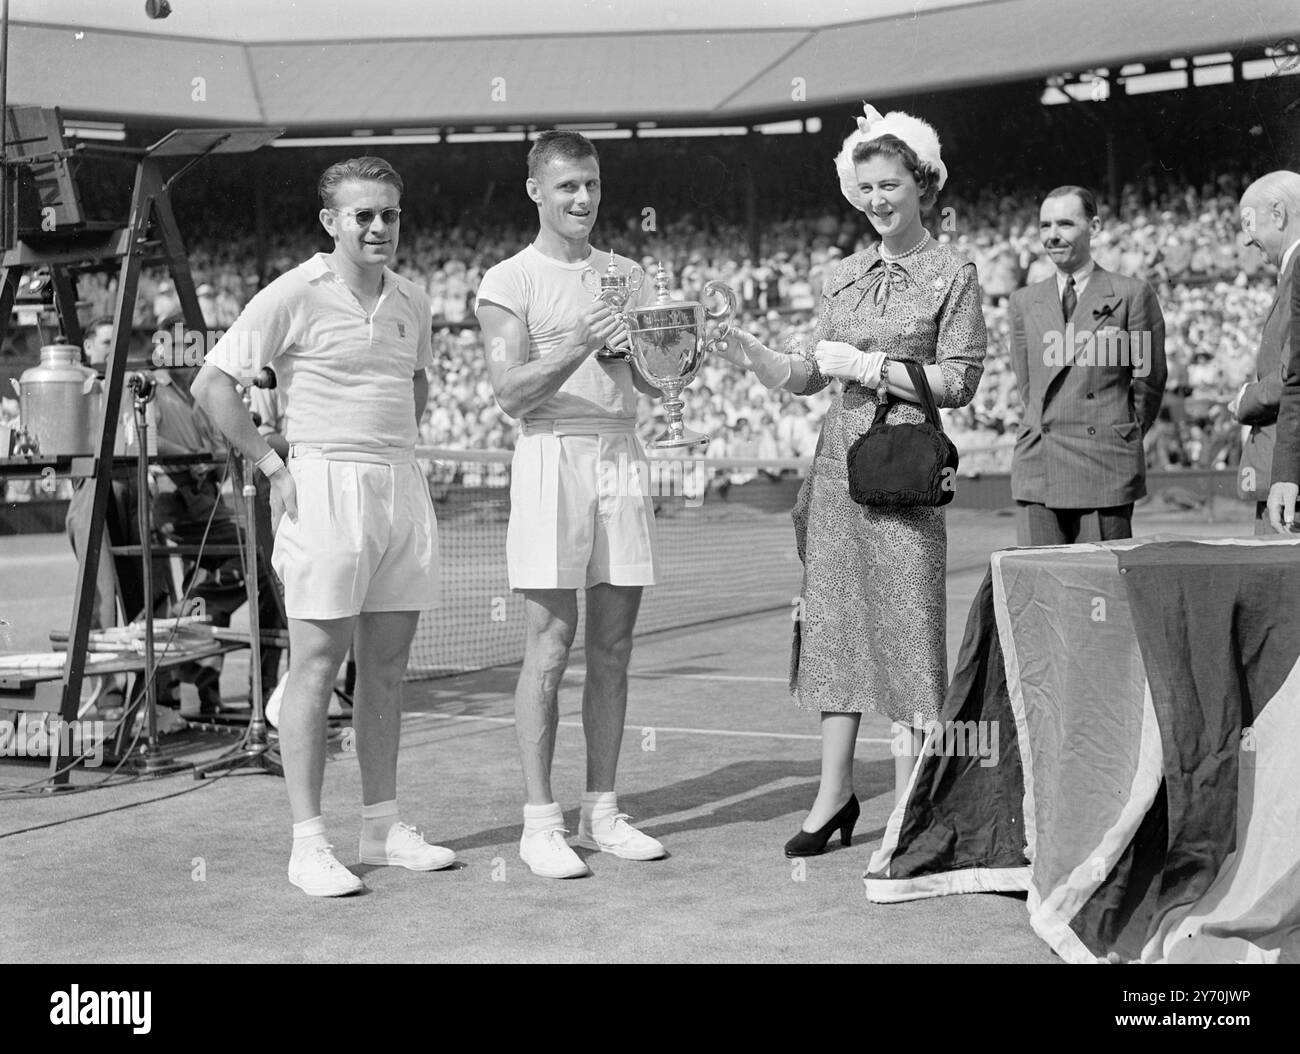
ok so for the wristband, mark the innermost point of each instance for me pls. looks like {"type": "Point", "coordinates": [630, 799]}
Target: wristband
{"type": "Point", "coordinates": [269, 463]}
{"type": "Point", "coordinates": [882, 392]}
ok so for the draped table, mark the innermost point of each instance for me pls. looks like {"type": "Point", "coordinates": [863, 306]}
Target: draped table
{"type": "Point", "coordinates": [1120, 740]}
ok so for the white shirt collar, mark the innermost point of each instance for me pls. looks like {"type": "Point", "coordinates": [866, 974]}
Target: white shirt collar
{"type": "Point", "coordinates": [1080, 276]}
{"type": "Point", "coordinates": [318, 267]}
{"type": "Point", "coordinates": [1286, 257]}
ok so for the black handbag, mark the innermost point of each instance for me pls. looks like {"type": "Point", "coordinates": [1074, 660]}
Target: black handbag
{"type": "Point", "coordinates": [904, 464]}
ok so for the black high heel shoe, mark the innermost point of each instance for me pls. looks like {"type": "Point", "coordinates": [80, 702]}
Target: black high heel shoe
{"type": "Point", "coordinates": [814, 843]}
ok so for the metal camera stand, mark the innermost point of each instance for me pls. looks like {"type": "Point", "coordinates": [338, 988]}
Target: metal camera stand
{"type": "Point", "coordinates": [256, 750]}
{"type": "Point", "coordinates": [155, 761]}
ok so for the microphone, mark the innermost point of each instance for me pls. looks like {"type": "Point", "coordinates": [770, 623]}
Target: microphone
{"type": "Point", "coordinates": [142, 384]}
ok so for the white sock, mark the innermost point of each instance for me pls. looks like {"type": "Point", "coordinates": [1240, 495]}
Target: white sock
{"type": "Point", "coordinates": [538, 818]}
{"type": "Point", "coordinates": [599, 805]}
{"type": "Point", "coordinates": [377, 820]}
{"type": "Point", "coordinates": [308, 835]}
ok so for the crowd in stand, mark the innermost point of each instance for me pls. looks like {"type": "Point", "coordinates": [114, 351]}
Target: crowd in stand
{"type": "Point", "coordinates": [1186, 242]}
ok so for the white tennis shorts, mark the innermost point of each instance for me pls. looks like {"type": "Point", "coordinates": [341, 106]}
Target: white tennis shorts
{"type": "Point", "coordinates": [580, 513]}
{"type": "Point", "coordinates": [365, 539]}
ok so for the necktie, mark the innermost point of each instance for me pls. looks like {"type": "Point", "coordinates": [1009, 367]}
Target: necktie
{"type": "Point", "coordinates": [1069, 299]}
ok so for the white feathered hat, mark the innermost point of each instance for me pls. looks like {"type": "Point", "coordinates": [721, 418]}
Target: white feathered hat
{"type": "Point", "coordinates": [917, 134]}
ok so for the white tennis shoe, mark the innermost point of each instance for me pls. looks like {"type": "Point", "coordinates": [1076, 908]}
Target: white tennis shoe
{"type": "Point", "coordinates": [405, 847]}
{"type": "Point", "coordinates": [549, 855]}
{"type": "Point", "coordinates": [615, 835]}
{"type": "Point", "coordinates": [319, 874]}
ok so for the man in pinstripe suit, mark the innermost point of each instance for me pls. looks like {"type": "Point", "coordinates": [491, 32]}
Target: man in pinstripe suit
{"type": "Point", "coordinates": [1088, 348]}
{"type": "Point", "coordinates": [1270, 218]}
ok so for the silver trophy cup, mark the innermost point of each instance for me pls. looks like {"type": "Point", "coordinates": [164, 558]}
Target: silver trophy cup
{"type": "Point", "coordinates": [615, 288]}
{"type": "Point", "coordinates": [668, 347]}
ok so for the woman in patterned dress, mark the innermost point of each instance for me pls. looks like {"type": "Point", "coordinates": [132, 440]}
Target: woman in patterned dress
{"type": "Point", "coordinates": [871, 634]}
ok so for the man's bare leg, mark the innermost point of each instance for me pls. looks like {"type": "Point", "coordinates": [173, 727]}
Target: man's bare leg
{"type": "Point", "coordinates": [552, 616]}
{"type": "Point", "coordinates": [611, 618]}
{"type": "Point", "coordinates": [552, 622]}
{"type": "Point", "coordinates": [383, 645]}
{"type": "Point", "coordinates": [318, 648]}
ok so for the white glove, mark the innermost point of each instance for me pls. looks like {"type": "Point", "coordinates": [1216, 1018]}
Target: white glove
{"type": "Point", "coordinates": [771, 367]}
{"type": "Point", "coordinates": [837, 359]}
{"type": "Point", "coordinates": [730, 349]}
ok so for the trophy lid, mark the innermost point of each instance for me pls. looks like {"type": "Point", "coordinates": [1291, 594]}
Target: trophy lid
{"type": "Point", "coordinates": [663, 301]}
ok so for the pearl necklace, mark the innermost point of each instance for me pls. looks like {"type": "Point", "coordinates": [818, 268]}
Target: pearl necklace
{"type": "Point", "coordinates": [925, 239]}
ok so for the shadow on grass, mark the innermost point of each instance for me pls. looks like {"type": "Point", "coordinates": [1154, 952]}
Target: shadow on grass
{"type": "Point", "coordinates": [745, 792]}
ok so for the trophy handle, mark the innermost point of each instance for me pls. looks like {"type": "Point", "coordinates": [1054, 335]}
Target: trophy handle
{"type": "Point", "coordinates": [591, 281]}
{"type": "Point", "coordinates": [635, 278]}
{"type": "Point", "coordinates": [609, 353]}
{"type": "Point", "coordinates": [726, 312]}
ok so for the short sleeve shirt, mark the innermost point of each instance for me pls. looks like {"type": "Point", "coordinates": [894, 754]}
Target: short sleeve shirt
{"type": "Point", "coordinates": [345, 376]}
{"type": "Point", "coordinates": [549, 298]}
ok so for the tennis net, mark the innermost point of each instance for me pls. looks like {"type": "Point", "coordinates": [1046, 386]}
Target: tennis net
{"type": "Point", "coordinates": [726, 549]}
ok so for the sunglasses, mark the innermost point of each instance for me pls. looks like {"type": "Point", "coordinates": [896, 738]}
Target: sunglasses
{"type": "Point", "coordinates": [365, 217]}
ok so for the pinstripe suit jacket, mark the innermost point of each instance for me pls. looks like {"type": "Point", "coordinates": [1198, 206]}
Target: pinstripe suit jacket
{"type": "Point", "coordinates": [1261, 398]}
{"type": "Point", "coordinates": [1090, 391]}
{"type": "Point", "coordinates": [1286, 454]}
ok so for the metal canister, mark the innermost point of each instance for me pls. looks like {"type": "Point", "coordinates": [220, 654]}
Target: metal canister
{"type": "Point", "coordinates": [59, 403]}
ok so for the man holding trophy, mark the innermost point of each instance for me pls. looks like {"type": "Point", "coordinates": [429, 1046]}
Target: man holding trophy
{"type": "Point", "coordinates": [543, 334]}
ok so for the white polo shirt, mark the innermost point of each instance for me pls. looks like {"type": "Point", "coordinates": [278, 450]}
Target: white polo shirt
{"type": "Point", "coordinates": [344, 375]}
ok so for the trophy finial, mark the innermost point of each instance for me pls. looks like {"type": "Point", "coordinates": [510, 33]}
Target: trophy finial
{"type": "Point", "coordinates": [661, 283]}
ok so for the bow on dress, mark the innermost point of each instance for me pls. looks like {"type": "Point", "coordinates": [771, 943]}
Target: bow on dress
{"type": "Point", "coordinates": [879, 279]}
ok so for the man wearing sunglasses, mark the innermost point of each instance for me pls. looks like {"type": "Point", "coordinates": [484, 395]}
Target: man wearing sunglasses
{"type": "Point", "coordinates": [356, 545]}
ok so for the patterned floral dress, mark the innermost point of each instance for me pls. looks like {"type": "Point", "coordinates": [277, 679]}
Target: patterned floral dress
{"type": "Point", "coordinates": [873, 629]}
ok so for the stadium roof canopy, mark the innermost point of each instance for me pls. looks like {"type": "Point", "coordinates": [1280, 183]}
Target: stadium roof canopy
{"type": "Point", "coordinates": [344, 64]}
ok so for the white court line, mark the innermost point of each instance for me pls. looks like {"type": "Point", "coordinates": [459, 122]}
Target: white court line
{"type": "Point", "coordinates": [657, 728]}
{"type": "Point", "coordinates": [690, 676]}
{"type": "Point", "coordinates": [710, 808]}
{"type": "Point", "coordinates": [705, 677]}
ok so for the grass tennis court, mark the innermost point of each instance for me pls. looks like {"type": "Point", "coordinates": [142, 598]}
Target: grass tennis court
{"type": "Point", "coordinates": [716, 763]}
